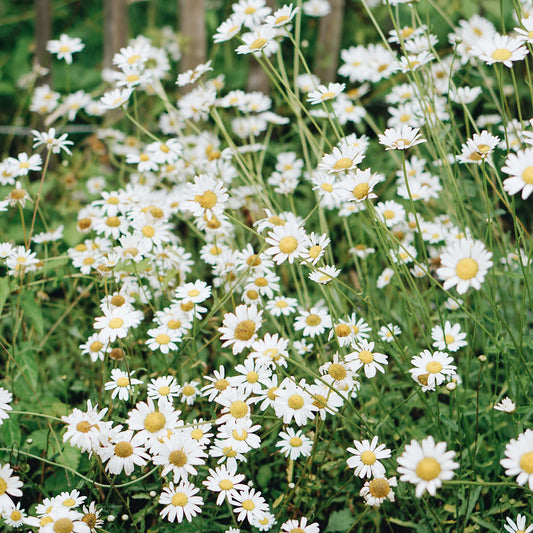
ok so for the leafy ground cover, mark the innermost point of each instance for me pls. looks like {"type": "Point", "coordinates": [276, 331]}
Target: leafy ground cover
{"type": "Point", "coordinates": [302, 311]}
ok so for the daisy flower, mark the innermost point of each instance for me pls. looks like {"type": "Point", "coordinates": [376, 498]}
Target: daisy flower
{"type": "Point", "coordinates": [163, 339]}
{"type": "Point", "coordinates": [53, 143]}
{"type": "Point", "coordinates": [313, 322]}
{"type": "Point", "coordinates": [249, 503]}
{"type": "Point", "coordinates": [448, 338]}
{"type": "Point", "coordinates": [465, 264]}
{"type": "Point", "coordinates": [228, 29]}
{"type": "Point", "coordinates": [123, 451]}
{"type": "Point", "coordinates": [366, 458]}
{"type": "Point", "coordinates": [180, 501]}
{"type": "Point", "coordinates": [258, 41]}
{"type": "Point", "coordinates": [518, 459]}
{"type": "Point", "coordinates": [324, 93]}
{"type": "Point", "coordinates": [519, 526]}
{"type": "Point", "coordinates": [293, 402]}
{"type": "Point", "coordinates": [300, 526]}
{"type": "Point", "coordinates": [207, 197]}
{"type": "Point", "coordinates": [341, 159]}
{"type": "Point", "coordinates": [163, 388]}
{"type": "Point", "coordinates": [426, 465]}
{"type": "Point", "coordinates": [225, 481]}
{"type": "Point", "coordinates": [9, 486]}
{"type": "Point", "coordinates": [431, 369]}
{"type": "Point", "coordinates": [279, 305]}
{"type": "Point", "coordinates": [359, 185]}
{"type": "Point", "coordinates": [324, 274]}
{"type": "Point", "coordinates": [116, 98]}
{"type": "Point", "coordinates": [153, 422]}
{"type": "Point", "coordinates": [365, 357]}
{"type": "Point", "coordinates": [14, 516]}
{"type": "Point", "coordinates": [325, 399]}
{"type": "Point", "coordinates": [506, 405]}
{"type": "Point", "coordinates": [389, 332]}
{"type": "Point", "coordinates": [377, 490]}
{"type": "Point", "coordinates": [282, 16]}
{"type": "Point", "coordinates": [217, 384]}
{"type": "Point", "coordinates": [294, 444]}
{"type": "Point", "coordinates": [116, 323]}
{"type": "Point", "coordinates": [401, 138]}
{"type": "Point", "coordinates": [519, 166]}
{"type": "Point", "coordinates": [239, 329]}
{"type": "Point", "coordinates": [65, 46]}
{"type": "Point", "coordinates": [5, 404]}
{"type": "Point", "coordinates": [287, 242]}
{"type": "Point", "coordinates": [189, 391]}
{"type": "Point", "coordinates": [121, 384]}
{"type": "Point", "coordinates": [500, 49]}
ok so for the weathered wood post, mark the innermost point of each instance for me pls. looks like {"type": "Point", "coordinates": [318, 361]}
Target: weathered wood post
{"type": "Point", "coordinates": [329, 42]}
{"type": "Point", "coordinates": [115, 28]}
{"type": "Point", "coordinates": [194, 32]}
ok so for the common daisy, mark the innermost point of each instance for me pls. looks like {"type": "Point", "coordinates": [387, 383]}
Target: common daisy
{"type": "Point", "coordinates": [366, 358]}
{"type": "Point", "coordinates": [239, 329]}
{"type": "Point", "coordinates": [121, 384]}
{"type": "Point", "coordinates": [519, 526]}
{"type": "Point", "coordinates": [401, 138]}
{"type": "Point", "coordinates": [519, 167]}
{"type": "Point", "coordinates": [377, 490]}
{"type": "Point", "coordinates": [9, 487]}
{"type": "Point", "coordinates": [300, 526]}
{"type": "Point", "coordinates": [518, 459]}
{"type": "Point", "coordinates": [294, 444]}
{"type": "Point", "coordinates": [180, 502]}
{"type": "Point", "coordinates": [448, 338]}
{"type": "Point", "coordinates": [225, 481]}
{"type": "Point", "coordinates": [123, 451]}
{"type": "Point", "coordinates": [5, 404]}
{"type": "Point", "coordinates": [249, 503]}
{"type": "Point", "coordinates": [431, 369]}
{"type": "Point", "coordinates": [294, 402]}
{"type": "Point", "coordinates": [505, 405]}
{"type": "Point", "coordinates": [366, 458]}
{"type": "Point", "coordinates": [65, 46]}
{"type": "Point", "coordinates": [324, 93]}
{"type": "Point", "coordinates": [426, 465]}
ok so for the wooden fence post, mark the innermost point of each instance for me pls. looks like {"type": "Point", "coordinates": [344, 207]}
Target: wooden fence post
{"type": "Point", "coordinates": [329, 42]}
{"type": "Point", "coordinates": [194, 32]}
{"type": "Point", "coordinates": [115, 29]}
{"type": "Point", "coordinates": [43, 33]}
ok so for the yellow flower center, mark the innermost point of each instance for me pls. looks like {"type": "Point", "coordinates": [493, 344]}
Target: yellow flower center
{"type": "Point", "coordinates": [250, 10]}
{"type": "Point", "coordinates": [116, 323]}
{"type": "Point", "coordinates": [343, 163]}
{"type": "Point", "coordinates": [365, 357]}
{"type": "Point", "coordinates": [154, 422]}
{"type": "Point", "coordinates": [313, 320]}
{"type": "Point", "coordinates": [296, 401]}
{"type": "Point", "coordinates": [123, 381]}
{"type": "Point", "coordinates": [277, 221]}
{"type": "Point", "coordinates": [379, 488]}
{"type": "Point", "coordinates": [243, 435]}
{"type": "Point", "coordinates": [252, 377]}
{"type": "Point", "coordinates": [197, 434]}
{"type": "Point", "coordinates": [320, 401]}
{"type": "Point", "coordinates": [271, 394]}
{"type": "Point", "coordinates": [501, 54]}
{"type": "Point", "coordinates": [466, 268]}
{"type": "Point", "coordinates": [15, 515]}
{"type": "Point", "coordinates": [326, 187]}
{"type": "Point", "coordinates": [428, 469]}
{"type": "Point", "coordinates": [239, 409]}
{"type": "Point", "coordinates": [433, 367]}
{"type": "Point", "coordinates": [261, 282]}
{"type": "Point", "coordinates": [281, 19]}
{"type": "Point", "coordinates": [449, 339]}
{"type": "Point", "coordinates": [3, 486]}
{"type": "Point", "coordinates": [328, 96]}
{"type": "Point", "coordinates": [288, 244]}
{"type": "Point", "coordinates": [113, 222]}
{"type": "Point", "coordinates": [527, 175]}
{"type": "Point", "coordinates": [258, 44]}
{"type": "Point", "coordinates": [228, 451]}
{"type": "Point", "coordinates": [526, 462]}
{"type": "Point", "coordinates": [96, 346]}
{"type": "Point", "coordinates": [337, 371]}
{"type": "Point", "coordinates": [295, 442]}
{"type": "Point", "coordinates": [249, 505]}
{"type": "Point", "coordinates": [162, 338]}
{"type": "Point", "coordinates": [206, 200]}
{"type": "Point", "coordinates": [245, 330]}
{"type": "Point", "coordinates": [174, 324]}
{"type": "Point", "coordinates": [188, 390]}
{"type": "Point", "coordinates": [225, 484]}
{"type": "Point", "coordinates": [221, 384]}
{"type": "Point", "coordinates": [123, 449]}
{"type": "Point", "coordinates": [179, 499]}
{"type": "Point", "coordinates": [361, 191]}
{"type": "Point", "coordinates": [178, 458]}
{"type": "Point", "coordinates": [148, 231]}
{"type": "Point", "coordinates": [368, 457]}
{"type": "Point", "coordinates": [63, 525]}
{"type": "Point", "coordinates": [388, 214]}
{"type": "Point", "coordinates": [164, 391]}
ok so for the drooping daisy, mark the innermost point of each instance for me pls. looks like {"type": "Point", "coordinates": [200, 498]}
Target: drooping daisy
{"type": "Point", "coordinates": [448, 338]}
{"type": "Point", "coordinates": [426, 465]}
{"type": "Point", "coordinates": [294, 444]}
{"type": "Point", "coordinates": [431, 369]}
{"type": "Point", "coordinates": [506, 405]}
{"type": "Point", "coordinates": [518, 459]}
{"type": "Point", "coordinates": [464, 264]}
{"type": "Point", "coordinates": [366, 458]}
{"type": "Point", "coordinates": [377, 490]}
{"type": "Point", "coordinates": [324, 274]}
{"type": "Point", "coordinates": [180, 501]}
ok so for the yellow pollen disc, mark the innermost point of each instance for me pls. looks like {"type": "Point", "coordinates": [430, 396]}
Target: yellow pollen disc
{"type": "Point", "coordinates": [337, 371]}
{"type": "Point", "coordinates": [96, 346]}
{"type": "Point", "coordinates": [133, 59]}
{"type": "Point", "coordinates": [178, 458]}
{"type": "Point", "coordinates": [164, 391]}
{"type": "Point", "coordinates": [258, 44]}
{"type": "Point", "coordinates": [343, 163]}
{"type": "Point", "coordinates": [474, 156]}
{"type": "Point", "coordinates": [313, 320]}
{"type": "Point", "coordinates": [221, 384]}
{"type": "Point", "coordinates": [113, 200]}
{"type": "Point", "coordinates": [406, 32]}
{"type": "Point", "coordinates": [526, 462]}
{"type": "Point", "coordinates": [130, 78]}
{"type": "Point", "coordinates": [64, 49]}
{"type": "Point", "coordinates": [271, 394]}
{"type": "Point", "coordinates": [116, 323]}
{"type": "Point", "coordinates": [197, 434]}
{"type": "Point", "coordinates": [326, 187]}
{"type": "Point", "coordinates": [405, 117]}
{"type": "Point", "coordinates": [253, 295]}
{"type": "Point", "coordinates": [206, 200]}
{"type": "Point", "coordinates": [123, 449]}
{"type": "Point", "coordinates": [243, 435]}
{"type": "Point", "coordinates": [360, 191]}
{"type": "Point", "coordinates": [250, 10]}
{"type": "Point", "coordinates": [527, 175]}
{"type": "Point", "coordinates": [261, 282]}
{"type": "Point", "coordinates": [483, 148]}
{"type": "Point", "coordinates": [320, 401]}
{"type": "Point", "coordinates": [388, 214]}
{"type": "Point", "coordinates": [46, 520]}
{"type": "Point", "coordinates": [148, 231]}
{"type": "Point", "coordinates": [245, 330]}
{"type": "Point", "coordinates": [225, 484]}
{"type": "Point", "coordinates": [186, 306]}
{"type": "Point", "coordinates": [297, 530]}
{"type": "Point", "coordinates": [295, 442]}
{"type": "Point", "coordinates": [154, 422]}
{"type": "Point", "coordinates": [228, 451]}
{"type": "Point", "coordinates": [433, 367]}
{"type": "Point", "coordinates": [15, 515]}
{"type": "Point", "coordinates": [252, 377]}
{"type": "Point", "coordinates": [342, 330]}
{"type": "Point", "coordinates": [327, 96]}
{"type": "Point", "coordinates": [281, 19]}
{"type": "Point", "coordinates": [277, 221]}
{"type": "Point", "coordinates": [288, 244]}
{"type": "Point", "coordinates": [428, 469]}
{"type": "Point", "coordinates": [281, 304]}
{"type": "Point", "coordinates": [80, 248]}
{"type": "Point", "coordinates": [144, 157]}
{"type": "Point", "coordinates": [174, 324]}
{"type": "Point", "coordinates": [188, 390]}
{"type": "Point", "coordinates": [253, 260]}
{"type": "Point", "coordinates": [113, 222]}
{"type": "Point", "coordinates": [157, 212]}
{"type": "Point", "coordinates": [501, 54]}
{"type": "Point", "coordinates": [449, 338]}
{"type": "Point", "coordinates": [368, 457]}
{"type": "Point", "coordinates": [466, 268]}
{"type": "Point", "coordinates": [295, 401]}
{"type": "Point", "coordinates": [314, 251]}
{"type": "Point", "coordinates": [123, 381]}
{"type": "Point", "coordinates": [3, 486]}
{"type": "Point", "coordinates": [90, 519]}
{"type": "Point", "coordinates": [164, 148]}
{"type": "Point", "coordinates": [249, 505]}
{"type": "Point", "coordinates": [162, 338]}
{"type": "Point", "coordinates": [63, 525]}
{"type": "Point", "coordinates": [379, 488]}
{"type": "Point", "coordinates": [365, 357]}
{"type": "Point", "coordinates": [179, 499]}
{"type": "Point", "coordinates": [239, 409]}
{"type": "Point", "coordinates": [193, 293]}
{"type": "Point", "coordinates": [82, 427]}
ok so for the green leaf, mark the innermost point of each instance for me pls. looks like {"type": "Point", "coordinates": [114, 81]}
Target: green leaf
{"type": "Point", "coordinates": [33, 312]}
{"type": "Point", "coordinates": [264, 475]}
{"type": "Point", "coordinates": [11, 431]}
{"type": "Point", "coordinates": [340, 521]}
{"type": "Point", "coordinates": [69, 457]}
{"type": "Point", "coordinates": [26, 359]}
{"type": "Point", "coordinates": [4, 292]}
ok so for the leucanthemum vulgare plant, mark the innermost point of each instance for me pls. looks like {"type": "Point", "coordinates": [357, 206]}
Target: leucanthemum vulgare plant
{"type": "Point", "coordinates": [302, 311]}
